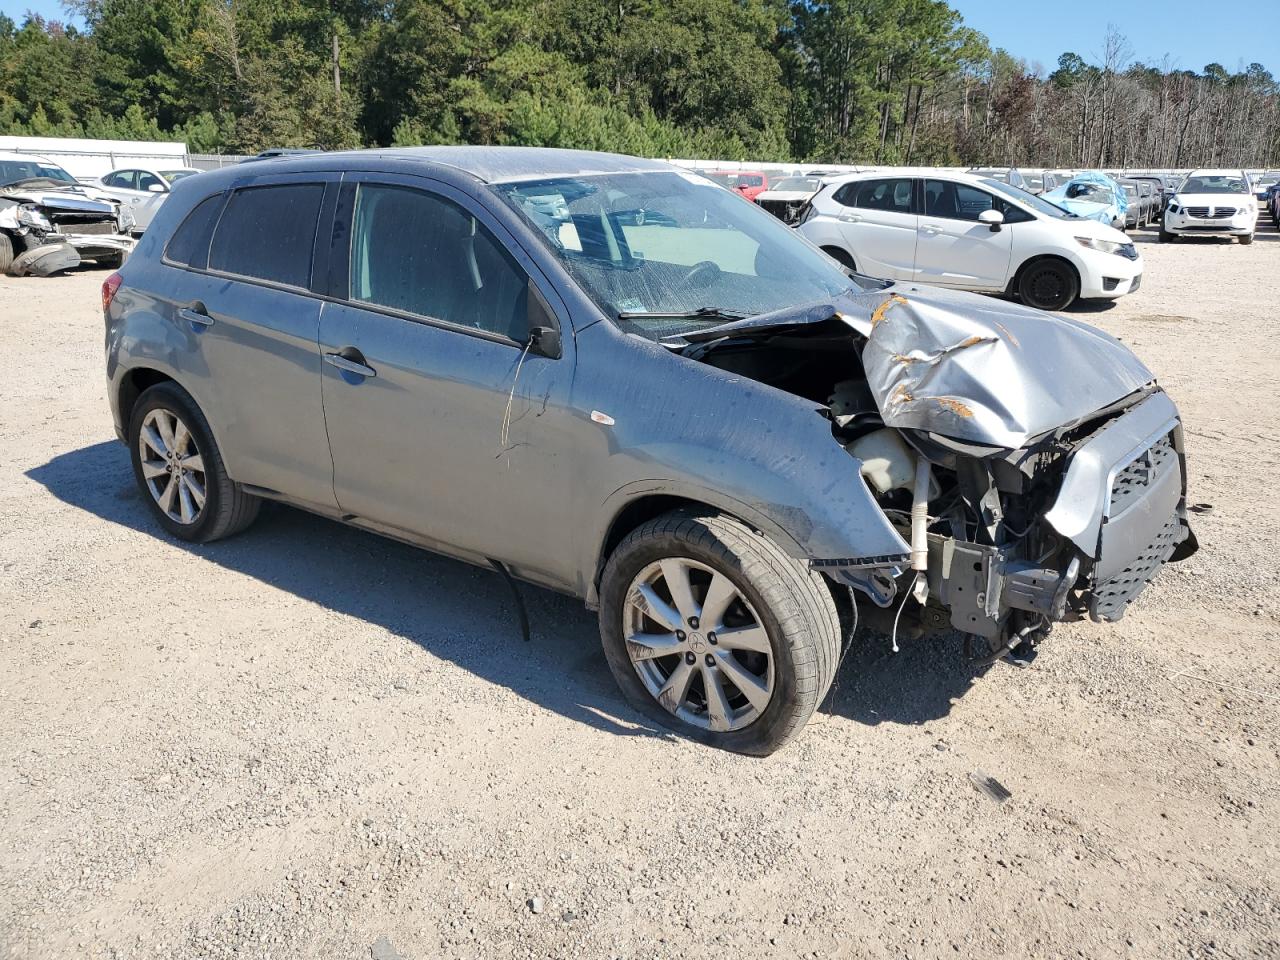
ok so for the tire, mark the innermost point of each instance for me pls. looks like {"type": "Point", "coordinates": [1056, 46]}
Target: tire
{"type": "Point", "coordinates": [773, 591]}
{"type": "Point", "coordinates": [226, 508]}
{"type": "Point", "coordinates": [112, 261]}
{"type": "Point", "coordinates": [1166, 236]}
{"type": "Point", "coordinates": [1246, 239]}
{"type": "Point", "coordinates": [6, 252]}
{"type": "Point", "coordinates": [1048, 284]}
{"type": "Point", "coordinates": [842, 257]}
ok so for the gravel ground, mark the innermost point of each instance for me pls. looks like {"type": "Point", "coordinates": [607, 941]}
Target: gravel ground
{"type": "Point", "coordinates": [311, 742]}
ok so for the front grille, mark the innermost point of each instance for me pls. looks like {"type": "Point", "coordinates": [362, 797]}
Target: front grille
{"type": "Point", "coordinates": [109, 227]}
{"type": "Point", "coordinates": [1109, 600]}
{"type": "Point", "coordinates": [1211, 213]}
{"type": "Point", "coordinates": [1132, 482]}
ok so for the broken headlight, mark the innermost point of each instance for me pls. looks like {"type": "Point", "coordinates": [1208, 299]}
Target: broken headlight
{"type": "Point", "coordinates": [29, 215]}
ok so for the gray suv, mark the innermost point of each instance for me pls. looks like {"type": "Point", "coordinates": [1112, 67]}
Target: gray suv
{"type": "Point", "coordinates": [611, 378]}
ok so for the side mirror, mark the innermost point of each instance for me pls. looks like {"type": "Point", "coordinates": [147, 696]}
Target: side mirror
{"type": "Point", "coordinates": [992, 218]}
{"type": "Point", "coordinates": [155, 188]}
{"type": "Point", "coordinates": [546, 341]}
{"type": "Point", "coordinates": [544, 331]}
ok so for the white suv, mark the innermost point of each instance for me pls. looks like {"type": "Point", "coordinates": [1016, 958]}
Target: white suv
{"type": "Point", "coordinates": [1212, 203]}
{"type": "Point", "coordinates": [972, 233]}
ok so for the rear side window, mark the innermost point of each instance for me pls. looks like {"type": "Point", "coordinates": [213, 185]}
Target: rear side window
{"type": "Point", "coordinates": [890, 195]}
{"type": "Point", "coordinates": [422, 254]}
{"type": "Point", "coordinates": [268, 233]}
{"type": "Point", "coordinates": [189, 244]}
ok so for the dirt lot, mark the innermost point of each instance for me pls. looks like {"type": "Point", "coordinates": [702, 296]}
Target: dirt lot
{"type": "Point", "coordinates": [307, 739]}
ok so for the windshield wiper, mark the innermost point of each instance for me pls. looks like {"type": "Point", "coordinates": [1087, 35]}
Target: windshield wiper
{"type": "Point", "coordinates": [702, 313]}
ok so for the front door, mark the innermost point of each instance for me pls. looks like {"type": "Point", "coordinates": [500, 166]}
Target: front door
{"type": "Point", "coordinates": [954, 249]}
{"type": "Point", "coordinates": [442, 422]}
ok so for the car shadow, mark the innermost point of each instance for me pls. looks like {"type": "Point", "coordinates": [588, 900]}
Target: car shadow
{"type": "Point", "coordinates": [466, 615]}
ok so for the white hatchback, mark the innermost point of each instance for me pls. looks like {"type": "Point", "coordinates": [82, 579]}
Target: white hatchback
{"type": "Point", "coordinates": [971, 233]}
{"type": "Point", "coordinates": [1214, 203]}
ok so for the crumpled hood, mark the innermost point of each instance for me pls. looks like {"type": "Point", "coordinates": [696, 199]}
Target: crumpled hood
{"type": "Point", "coordinates": [974, 368]}
{"type": "Point", "coordinates": [966, 366]}
{"type": "Point", "coordinates": [69, 198]}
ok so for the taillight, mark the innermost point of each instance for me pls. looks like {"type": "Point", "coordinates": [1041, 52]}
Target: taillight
{"type": "Point", "coordinates": [109, 288]}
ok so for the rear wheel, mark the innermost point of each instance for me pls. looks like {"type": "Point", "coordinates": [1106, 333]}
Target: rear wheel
{"type": "Point", "coordinates": [180, 471]}
{"type": "Point", "coordinates": [711, 629]}
{"type": "Point", "coordinates": [1048, 285]}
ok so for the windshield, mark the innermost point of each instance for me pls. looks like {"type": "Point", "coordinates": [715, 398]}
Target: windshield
{"type": "Point", "coordinates": [1213, 184]}
{"type": "Point", "coordinates": [810, 184]}
{"type": "Point", "coordinates": [1038, 204]}
{"type": "Point", "coordinates": [173, 176]}
{"type": "Point", "coordinates": [12, 171]}
{"type": "Point", "coordinates": [672, 244]}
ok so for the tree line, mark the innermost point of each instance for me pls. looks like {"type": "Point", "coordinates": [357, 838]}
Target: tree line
{"type": "Point", "coordinates": [850, 81]}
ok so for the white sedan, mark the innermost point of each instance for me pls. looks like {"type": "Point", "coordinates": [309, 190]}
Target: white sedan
{"type": "Point", "coordinates": [971, 233]}
{"type": "Point", "coordinates": [142, 189]}
{"type": "Point", "coordinates": [1212, 203]}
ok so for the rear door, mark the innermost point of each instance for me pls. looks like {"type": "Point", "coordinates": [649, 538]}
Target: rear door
{"type": "Point", "coordinates": [954, 249]}
{"type": "Point", "coordinates": [248, 321]}
{"type": "Point", "coordinates": [878, 224]}
{"type": "Point", "coordinates": [441, 421]}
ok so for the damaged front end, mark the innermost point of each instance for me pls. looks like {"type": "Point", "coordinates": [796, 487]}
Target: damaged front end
{"type": "Point", "coordinates": [1032, 466]}
{"type": "Point", "coordinates": [54, 229]}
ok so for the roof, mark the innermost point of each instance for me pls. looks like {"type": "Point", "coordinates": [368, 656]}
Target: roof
{"type": "Point", "coordinates": [498, 164]}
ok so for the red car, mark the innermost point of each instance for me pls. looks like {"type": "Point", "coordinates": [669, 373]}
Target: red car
{"type": "Point", "coordinates": [749, 183]}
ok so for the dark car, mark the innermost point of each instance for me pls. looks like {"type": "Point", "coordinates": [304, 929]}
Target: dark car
{"type": "Point", "coordinates": [692, 419]}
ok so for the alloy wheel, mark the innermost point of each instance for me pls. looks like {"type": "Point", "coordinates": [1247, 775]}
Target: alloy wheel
{"type": "Point", "coordinates": [697, 644]}
{"type": "Point", "coordinates": [172, 466]}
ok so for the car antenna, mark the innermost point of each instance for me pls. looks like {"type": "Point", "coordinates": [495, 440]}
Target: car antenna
{"type": "Point", "coordinates": [515, 592]}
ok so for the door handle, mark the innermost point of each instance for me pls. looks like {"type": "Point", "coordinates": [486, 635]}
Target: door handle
{"type": "Point", "coordinates": [350, 361]}
{"type": "Point", "coordinates": [196, 316]}
{"type": "Point", "coordinates": [931, 228]}
{"type": "Point", "coordinates": [850, 218]}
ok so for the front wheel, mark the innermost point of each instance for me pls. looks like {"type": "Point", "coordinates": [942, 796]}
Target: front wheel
{"type": "Point", "coordinates": [1246, 239]}
{"type": "Point", "coordinates": [1166, 236]}
{"type": "Point", "coordinates": [1048, 285]}
{"type": "Point", "coordinates": [711, 629]}
{"type": "Point", "coordinates": [180, 471]}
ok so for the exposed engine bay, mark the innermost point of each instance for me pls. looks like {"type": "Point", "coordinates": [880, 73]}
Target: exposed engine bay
{"type": "Point", "coordinates": [1030, 463]}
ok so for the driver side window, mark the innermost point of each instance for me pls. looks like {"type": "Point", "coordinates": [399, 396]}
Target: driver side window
{"type": "Point", "coordinates": [419, 253]}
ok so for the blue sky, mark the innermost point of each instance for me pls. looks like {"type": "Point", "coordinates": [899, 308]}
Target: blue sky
{"type": "Point", "coordinates": [1233, 33]}
{"type": "Point", "coordinates": [1193, 33]}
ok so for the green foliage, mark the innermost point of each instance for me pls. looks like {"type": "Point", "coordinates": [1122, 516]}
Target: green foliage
{"type": "Point", "coordinates": [882, 81]}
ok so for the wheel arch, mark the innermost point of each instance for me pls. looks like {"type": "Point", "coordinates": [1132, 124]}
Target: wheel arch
{"type": "Point", "coordinates": [1037, 258]}
{"type": "Point", "coordinates": [627, 510]}
{"type": "Point", "coordinates": [133, 383]}
{"type": "Point", "coordinates": [839, 254]}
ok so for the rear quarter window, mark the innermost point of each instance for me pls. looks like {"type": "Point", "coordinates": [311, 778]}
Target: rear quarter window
{"type": "Point", "coordinates": [189, 245]}
{"type": "Point", "coordinates": [268, 233]}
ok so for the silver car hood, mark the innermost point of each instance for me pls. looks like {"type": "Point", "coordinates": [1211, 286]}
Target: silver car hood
{"type": "Point", "coordinates": [985, 370]}
{"type": "Point", "coordinates": [966, 366]}
{"type": "Point", "coordinates": [70, 198]}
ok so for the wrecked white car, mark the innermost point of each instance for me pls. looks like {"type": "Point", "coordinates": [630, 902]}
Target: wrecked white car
{"type": "Point", "coordinates": [692, 419]}
{"type": "Point", "coordinates": [49, 221]}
